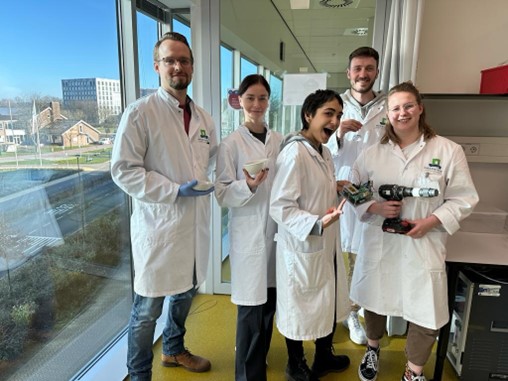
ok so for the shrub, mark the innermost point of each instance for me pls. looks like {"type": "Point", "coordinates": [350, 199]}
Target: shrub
{"type": "Point", "coordinates": [54, 286]}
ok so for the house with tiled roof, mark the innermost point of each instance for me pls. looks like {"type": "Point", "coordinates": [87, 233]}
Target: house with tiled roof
{"type": "Point", "coordinates": [56, 129]}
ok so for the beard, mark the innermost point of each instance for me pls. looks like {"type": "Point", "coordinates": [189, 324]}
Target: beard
{"type": "Point", "coordinates": [363, 90]}
{"type": "Point", "coordinates": [180, 83]}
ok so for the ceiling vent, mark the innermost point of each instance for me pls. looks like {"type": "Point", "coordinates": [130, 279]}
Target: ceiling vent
{"type": "Point", "coordinates": [356, 32]}
{"type": "Point", "coordinates": [339, 3]}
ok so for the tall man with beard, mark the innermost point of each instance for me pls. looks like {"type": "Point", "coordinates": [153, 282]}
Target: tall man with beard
{"type": "Point", "coordinates": [362, 125]}
{"type": "Point", "coordinates": [165, 144]}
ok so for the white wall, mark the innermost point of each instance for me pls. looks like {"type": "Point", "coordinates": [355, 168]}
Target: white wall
{"type": "Point", "coordinates": [459, 39]}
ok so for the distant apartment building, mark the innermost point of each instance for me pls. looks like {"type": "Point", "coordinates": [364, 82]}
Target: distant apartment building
{"type": "Point", "coordinates": [98, 97]}
{"type": "Point", "coordinates": [145, 92]}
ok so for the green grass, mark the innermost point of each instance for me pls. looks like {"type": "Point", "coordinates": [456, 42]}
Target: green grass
{"type": "Point", "coordinates": [32, 162]}
{"type": "Point", "coordinates": [84, 159]}
{"type": "Point", "coordinates": [98, 156]}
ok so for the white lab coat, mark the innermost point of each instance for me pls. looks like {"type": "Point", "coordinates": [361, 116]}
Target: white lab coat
{"type": "Point", "coordinates": [309, 291]}
{"type": "Point", "coordinates": [251, 229]}
{"type": "Point", "coordinates": [373, 117]}
{"type": "Point", "coordinates": [395, 274]}
{"type": "Point", "coordinates": [152, 156]}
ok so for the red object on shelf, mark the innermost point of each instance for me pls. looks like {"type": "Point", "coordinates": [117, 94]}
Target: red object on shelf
{"type": "Point", "coordinates": [494, 80]}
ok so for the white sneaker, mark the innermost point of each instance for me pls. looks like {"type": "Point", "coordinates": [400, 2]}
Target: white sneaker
{"type": "Point", "coordinates": [356, 331]}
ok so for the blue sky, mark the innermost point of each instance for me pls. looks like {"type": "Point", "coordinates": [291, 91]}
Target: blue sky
{"type": "Point", "coordinates": [43, 42]}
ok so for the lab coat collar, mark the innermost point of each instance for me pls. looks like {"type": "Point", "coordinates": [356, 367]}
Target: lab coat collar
{"type": "Point", "coordinates": [173, 102]}
{"type": "Point", "coordinates": [171, 99]}
{"type": "Point", "coordinates": [297, 137]}
{"type": "Point", "coordinates": [244, 130]}
{"type": "Point", "coordinates": [398, 151]}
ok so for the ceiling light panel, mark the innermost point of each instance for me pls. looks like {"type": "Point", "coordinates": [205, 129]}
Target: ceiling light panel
{"type": "Point", "coordinates": [300, 4]}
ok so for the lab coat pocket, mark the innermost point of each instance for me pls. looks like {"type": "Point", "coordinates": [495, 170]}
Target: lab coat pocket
{"type": "Point", "coordinates": [246, 233]}
{"type": "Point", "coordinates": [434, 251]}
{"type": "Point", "coordinates": [310, 269]}
{"type": "Point", "coordinates": [155, 222]}
{"type": "Point", "coordinates": [201, 151]}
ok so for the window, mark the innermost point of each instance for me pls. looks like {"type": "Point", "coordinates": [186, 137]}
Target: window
{"type": "Point", "coordinates": [65, 276]}
{"type": "Point", "coordinates": [227, 84]}
{"type": "Point", "coordinates": [275, 116]}
{"type": "Point", "coordinates": [229, 122]}
{"type": "Point", "coordinates": [247, 67]}
{"type": "Point", "coordinates": [147, 35]}
{"type": "Point", "coordinates": [182, 27]}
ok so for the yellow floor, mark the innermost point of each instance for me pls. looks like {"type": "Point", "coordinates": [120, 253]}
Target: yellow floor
{"type": "Point", "coordinates": [211, 333]}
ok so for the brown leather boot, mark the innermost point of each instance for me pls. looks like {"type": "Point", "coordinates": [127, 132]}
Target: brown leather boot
{"type": "Point", "coordinates": [187, 360]}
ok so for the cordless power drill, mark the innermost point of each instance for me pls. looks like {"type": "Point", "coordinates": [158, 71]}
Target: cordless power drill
{"type": "Point", "coordinates": [392, 192]}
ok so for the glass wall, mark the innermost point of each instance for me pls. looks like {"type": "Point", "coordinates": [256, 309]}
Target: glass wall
{"type": "Point", "coordinates": [182, 26]}
{"type": "Point", "coordinates": [226, 86]}
{"type": "Point", "coordinates": [275, 114]}
{"type": "Point", "coordinates": [147, 29]}
{"type": "Point", "coordinates": [65, 272]}
{"type": "Point", "coordinates": [247, 67]}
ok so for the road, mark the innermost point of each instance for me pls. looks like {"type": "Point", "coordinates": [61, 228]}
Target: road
{"type": "Point", "coordinates": [44, 214]}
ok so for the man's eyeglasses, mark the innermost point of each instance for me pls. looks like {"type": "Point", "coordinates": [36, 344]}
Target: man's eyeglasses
{"type": "Point", "coordinates": [408, 107]}
{"type": "Point", "coordinates": [170, 61]}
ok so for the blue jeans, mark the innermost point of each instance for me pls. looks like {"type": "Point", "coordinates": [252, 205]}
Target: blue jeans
{"type": "Point", "coordinates": [144, 314]}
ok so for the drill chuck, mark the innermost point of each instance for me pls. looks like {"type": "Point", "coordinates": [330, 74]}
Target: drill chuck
{"type": "Point", "coordinates": [394, 192]}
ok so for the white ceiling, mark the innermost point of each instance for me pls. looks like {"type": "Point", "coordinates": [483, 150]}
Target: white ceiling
{"type": "Point", "coordinates": [319, 39]}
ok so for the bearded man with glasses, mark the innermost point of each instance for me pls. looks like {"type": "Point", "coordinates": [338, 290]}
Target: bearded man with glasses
{"type": "Point", "coordinates": [162, 157]}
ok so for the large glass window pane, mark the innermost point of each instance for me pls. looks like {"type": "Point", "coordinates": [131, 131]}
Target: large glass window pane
{"type": "Point", "coordinates": [227, 84]}
{"type": "Point", "coordinates": [227, 126]}
{"type": "Point", "coordinates": [147, 35]}
{"type": "Point", "coordinates": [275, 116]}
{"type": "Point", "coordinates": [291, 119]}
{"type": "Point", "coordinates": [182, 26]}
{"type": "Point", "coordinates": [65, 275]}
{"type": "Point", "coordinates": [247, 67]}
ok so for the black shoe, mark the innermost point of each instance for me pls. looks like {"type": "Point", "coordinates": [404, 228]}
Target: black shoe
{"type": "Point", "coordinates": [327, 362]}
{"type": "Point", "coordinates": [367, 371]}
{"type": "Point", "coordinates": [300, 372]}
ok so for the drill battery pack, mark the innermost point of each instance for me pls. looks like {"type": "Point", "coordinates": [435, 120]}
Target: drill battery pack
{"type": "Point", "coordinates": [396, 226]}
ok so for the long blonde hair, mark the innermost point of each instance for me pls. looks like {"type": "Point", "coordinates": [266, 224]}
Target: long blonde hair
{"type": "Point", "coordinates": [426, 130]}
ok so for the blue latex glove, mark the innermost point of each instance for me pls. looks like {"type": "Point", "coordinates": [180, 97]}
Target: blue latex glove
{"type": "Point", "coordinates": [186, 190]}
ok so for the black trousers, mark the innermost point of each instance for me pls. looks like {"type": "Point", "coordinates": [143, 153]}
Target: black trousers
{"type": "Point", "coordinates": [295, 348]}
{"type": "Point", "coordinates": [254, 327]}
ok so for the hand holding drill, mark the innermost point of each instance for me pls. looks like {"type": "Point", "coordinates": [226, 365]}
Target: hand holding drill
{"type": "Point", "coordinates": [395, 194]}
